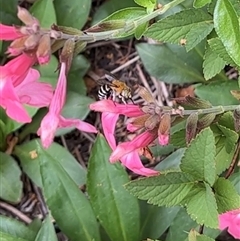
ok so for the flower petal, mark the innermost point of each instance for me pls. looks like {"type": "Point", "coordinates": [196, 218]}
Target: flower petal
{"type": "Point", "coordinates": [18, 68]}
{"type": "Point", "coordinates": [109, 121]}
{"type": "Point", "coordinates": [10, 101]}
{"type": "Point", "coordinates": [129, 110]}
{"type": "Point", "coordinates": [34, 93]}
{"type": "Point", "coordinates": [48, 127]}
{"type": "Point", "coordinates": [79, 124]}
{"type": "Point", "coordinates": [9, 32]}
{"type": "Point", "coordinates": [133, 162]}
{"type": "Point", "coordinates": [139, 141]}
{"type": "Point", "coordinates": [231, 220]}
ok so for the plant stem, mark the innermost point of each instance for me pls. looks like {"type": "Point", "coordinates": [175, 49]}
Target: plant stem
{"type": "Point", "coordinates": [215, 110]}
{"type": "Point", "coordinates": [128, 28]}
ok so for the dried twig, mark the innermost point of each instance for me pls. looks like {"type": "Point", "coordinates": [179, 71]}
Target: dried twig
{"type": "Point", "coordinates": [16, 212]}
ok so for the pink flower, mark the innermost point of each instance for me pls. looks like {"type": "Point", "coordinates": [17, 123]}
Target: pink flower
{"type": "Point", "coordinates": [128, 110]}
{"type": "Point", "coordinates": [231, 220]}
{"type": "Point", "coordinates": [19, 85]}
{"type": "Point", "coordinates": [53, 120]}
{"type": "Point", "coordinates": [131, 159]}
{"type": "Point", "coordinates": [138, 142]}
{"type": "Point", "coordinates": [9, 32]}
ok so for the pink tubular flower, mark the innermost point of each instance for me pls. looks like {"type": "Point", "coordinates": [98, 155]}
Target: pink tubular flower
{"type": "Point", "coordinates": [231, 220]}
{"type": "Point", "coordinates": [53, 119]}
{"type": "Point", "coordinates": [9, 32]}
{"type": "Point", "coordinates": [112, 107]}
{"type": "Point", "coordinates": [131, 159]}
{"type": "Point", "coordinates": [138, 142]}
{"type": "Point", "coordinates": [19, 85]}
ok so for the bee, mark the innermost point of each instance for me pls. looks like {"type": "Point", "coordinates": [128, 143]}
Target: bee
{"type": "Point", "coordinates": [110, 87]}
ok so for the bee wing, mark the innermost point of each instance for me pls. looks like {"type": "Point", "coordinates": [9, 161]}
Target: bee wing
{"type": "Point", "coordinates": [103, 82]}
{"type": "Point", "coordinates": [110, 77]}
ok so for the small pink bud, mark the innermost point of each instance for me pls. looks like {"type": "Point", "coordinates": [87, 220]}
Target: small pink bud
{"type": "Point", "coordinates": [164, 129]}
{"type": "Point", "coordinates": [44, 49]}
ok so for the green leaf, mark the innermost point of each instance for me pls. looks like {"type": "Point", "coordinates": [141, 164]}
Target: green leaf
{"type": "Point", "coordinates": [168, 63]}
{"type": "Point", "coordinates": [109, 7]}
{"type": "Point", "coordinates": [123, 16]}
{"type": "Point", "coordinates": [152, 217]}
{"type": "Point", "coordinates": [202, 206]}
{"type": "Point", "coordinates": [180, 226]}
{"type": "Point", "coordinates": [227, 120]}
{"type": "Point", "coordinates": [223, 158]}
{"type": "Point", "coordinates": [44, 11]}
{"type": "Point", "coordinates": [13, 230]}
{"type": "Point", "coordinates": [192, 25]}
{"type": "Point", "coordinates": [231, 138]}
{"type": "Point", "coordinates": [227, 27]}
{"type": "Point", "coordinates": [195, 236]}
{"type": "Point", "coordinates": [76, 107]}
{"type": "Point", "coordinates": [72, 13]}
{"type": "Point", "coordinates": [200, 3]}
{"type": "Point", "coordinates": [171, 162]}
{"type": "Point", "coordinates": [30, 155]}
{"type": "Point", "coordinates": [47, 231]}
{"type": "Point", "coordinates": [68, 205]}
{"type": "Point", "coordinates": [218, 93]}
{"type": "Point", "coordinates": [226, 195]}
{"type": "Point", "coordinates": [164, 190]}
{"type": "Point", "coordinates": [48, 71]}
{"type": "Point", "coordinates": [11, 184]}
{"type": "Point", "coordinates": [140, 30]}
{"type": "Point", "coordinates": [149, 4]}
{"type": "Point", "coordinates": [235, 180]}
{"type": "Point", "coordinates": [199, 157]}
{"type": "Point", "coordinates": [8, 12]}
{"type": "Point", "coordinates": [178, 138]}
{"type": "Point", "coordinates": [79, 68]}
{"type": "Point", "coordinates": [105, 186]}
{"type": "Point", "coordinates": [212, 64]}
{"type": "Point", "coordinates": [217, 46]}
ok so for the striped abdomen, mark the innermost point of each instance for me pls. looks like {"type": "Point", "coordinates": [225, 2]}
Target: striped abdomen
{"type": "Point", "coordinates": [104, 92]}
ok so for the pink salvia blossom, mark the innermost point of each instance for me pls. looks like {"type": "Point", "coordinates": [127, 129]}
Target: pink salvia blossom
{"type": "Point", "coordinates": [9, 32]}
{"type": "Point", "coordinates": [53, 119]}
{"type": "Point", "coordinates": [140, 141]}
{"type": "Point", "coordinates": [131, 160]}
{"type": "Point", "coordinates": [128, 110]}
{"type": "Point", "coordinates": [19, 85]}
{"type": "Point", "coordinates": [231, 220]}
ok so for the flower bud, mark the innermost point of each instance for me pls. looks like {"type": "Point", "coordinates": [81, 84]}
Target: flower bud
{"type": "Point", "coordinates": [164, 129]}
{"type": "Point", "coordinates": [236, 116]}
{"type": "Point", "coordinates": [44, 49]}
{"type": "Point", "coordinates": [191, 127]}
{"type": "Point", "coordinates": [145, 94]}
{"type": "Point", "coordinates": [107, 25]}
{"type": "Point", "coordinates": [32, 41]}
{"type": "Point", "coordinates": [26, 17]}
{"type": "Point", "coordinates": [79, 47]}
{"type": "Point", "coordinates": [152, 122]}
{"type": "Point", "coordinates": [17, 46]}
{"type": "Point", "coordinates": [193, 102]}
{"type": "Point", "coordinates": [206, 121]}
{"type": "Point", "coordinates": [139, 122]}
{"type": "Point", "coordinates": [68, 30]}
{"type": "Point", "coordinates": [67, 53]}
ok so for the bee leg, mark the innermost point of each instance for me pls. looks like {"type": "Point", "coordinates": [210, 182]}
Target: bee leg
{"type": "Point", "coordinates": [132, 100]}
{"type": "Point", "coordinates": [113, 96]}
